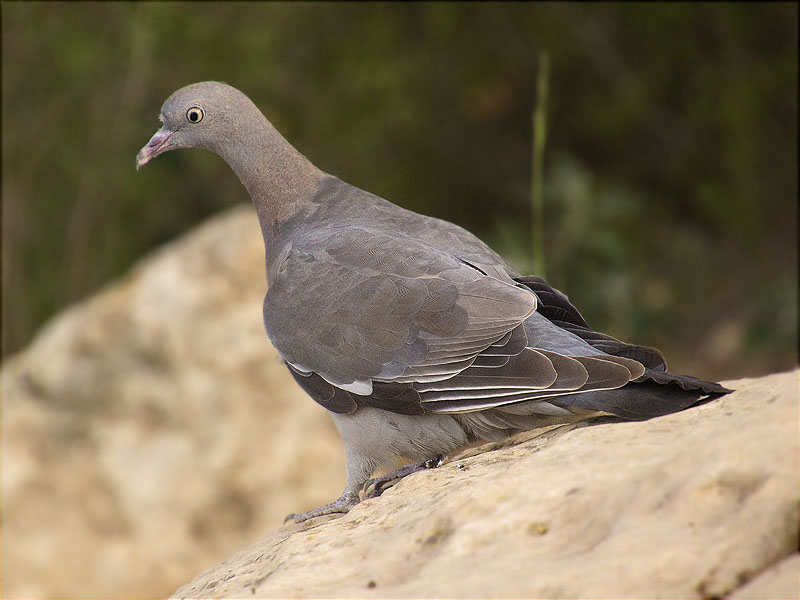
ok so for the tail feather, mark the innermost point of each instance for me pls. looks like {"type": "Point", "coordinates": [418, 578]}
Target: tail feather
{"type": "Point", "coordinates": [686, 382]}
{"type": "Point", "coordinates": [653, 395]}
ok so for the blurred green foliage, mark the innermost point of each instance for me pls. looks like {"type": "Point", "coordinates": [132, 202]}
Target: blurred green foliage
{"type": "Point", "coordinates": [670, 174]}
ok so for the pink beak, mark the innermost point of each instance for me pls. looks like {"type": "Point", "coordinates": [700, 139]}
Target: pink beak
{"type": "Point", "coordinates": [158, 144]}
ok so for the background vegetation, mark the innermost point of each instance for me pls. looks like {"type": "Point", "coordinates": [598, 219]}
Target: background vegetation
{"type": "Point", "coordinates": [670, 174]}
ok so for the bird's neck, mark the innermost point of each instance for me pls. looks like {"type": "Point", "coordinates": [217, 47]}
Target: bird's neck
{"type": "Point", "coordinates": [280, 180]}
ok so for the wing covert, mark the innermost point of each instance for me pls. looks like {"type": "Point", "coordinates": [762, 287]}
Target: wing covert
{"type": "Point", "coordinates": [357, 306]}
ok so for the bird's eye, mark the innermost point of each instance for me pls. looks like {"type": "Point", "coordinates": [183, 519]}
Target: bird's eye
{"type": "Point", "coordinates": [195, 114]}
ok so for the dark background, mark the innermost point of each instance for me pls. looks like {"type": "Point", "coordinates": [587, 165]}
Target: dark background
{"type": "Point", "coordinates": [670, 173]}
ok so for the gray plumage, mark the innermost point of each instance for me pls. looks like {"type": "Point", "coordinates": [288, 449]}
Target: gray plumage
{"type": "Point", "coordinates": [414, 334]}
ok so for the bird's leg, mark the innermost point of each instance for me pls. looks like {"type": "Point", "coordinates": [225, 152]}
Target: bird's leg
{"type": "Point", "coordinates": [379, 484]}
{"type": "Point", "coordinates": [359, 468]}
{"type": "Point", "coordinates": [343, 504]}
{"type": "Point", "coordinates": [350, 496]}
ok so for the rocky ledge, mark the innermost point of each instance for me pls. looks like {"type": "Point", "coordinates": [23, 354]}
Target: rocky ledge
{"type": "Point", "coordinates": [699, 504]}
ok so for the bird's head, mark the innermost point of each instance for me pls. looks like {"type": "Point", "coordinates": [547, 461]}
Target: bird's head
{"type": "Point", "coordinates": [197, 116]}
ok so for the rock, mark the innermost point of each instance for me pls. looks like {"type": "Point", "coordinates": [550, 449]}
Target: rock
{"type": "Point", "coordinates": [689, 505]}
{"type": "Point", "coordinates": [779, 581]}
{"type": "Point", "coordinates": [151, 430]}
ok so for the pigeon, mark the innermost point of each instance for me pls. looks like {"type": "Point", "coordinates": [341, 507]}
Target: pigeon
{"type": "Point", "coordinates": [417, 337]}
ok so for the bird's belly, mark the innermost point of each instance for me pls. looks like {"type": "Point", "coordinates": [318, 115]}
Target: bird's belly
{"type": "Point", "coordinates": [386, 436]}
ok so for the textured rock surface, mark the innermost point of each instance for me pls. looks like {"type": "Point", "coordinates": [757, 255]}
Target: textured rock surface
{"type": "Point", "coordinates": [779, 581]}
{"type": "Point", "coordinates": [693, 504]}
{"type": "Point", "coordinates": [151, 431]}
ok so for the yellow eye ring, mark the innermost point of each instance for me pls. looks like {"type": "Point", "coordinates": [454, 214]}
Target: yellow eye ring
{"type": "Point", "coordinates": [195, 114]}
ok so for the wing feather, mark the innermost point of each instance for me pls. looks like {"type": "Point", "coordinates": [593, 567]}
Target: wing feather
{"type": "Point", "coordinates": [358, 307]}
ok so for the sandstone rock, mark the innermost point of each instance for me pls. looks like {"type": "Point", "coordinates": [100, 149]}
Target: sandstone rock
{"type": "Point", "coordinates": [689, 505]}
{"type": "Point", "coordinates": [151, 430]}
{"type": "Point", "coordinates": [779, 581]}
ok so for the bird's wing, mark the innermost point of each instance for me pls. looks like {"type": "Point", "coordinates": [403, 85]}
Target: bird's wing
{"type": "Point", "coordinates": [368, 316]}
{"type": "Point", "coordinates": [360, 307]}
{"type": "Point", "coordinates": [578, 368]}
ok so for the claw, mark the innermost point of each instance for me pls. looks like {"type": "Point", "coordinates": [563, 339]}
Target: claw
{"type": "Point", "coordinates": [434, 462]}
{"type": "Point", "coordinates": [342, 505]}
{"type": "Point", "coordinates": [349, 499]}
{"type": "Point", "coordinates": [380, 484]}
